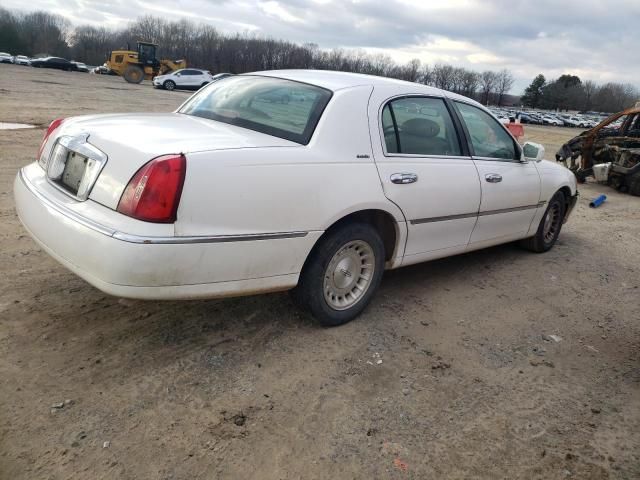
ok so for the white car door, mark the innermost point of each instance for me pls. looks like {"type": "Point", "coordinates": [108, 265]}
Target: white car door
{"type": "Point", "coordinates": [510, 187]}
{"type": "Point", "coordinates": [426, 170]}
{"type": "Point", "coordinates": [186, 78]}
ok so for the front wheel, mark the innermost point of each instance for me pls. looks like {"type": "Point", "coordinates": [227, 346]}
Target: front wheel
{"type": "Point", "coordinates": [342, 274]}
{"type": "Point", "coordinates": [133, 74]}
{"type": "Point", "coordinates": [549, 227]}
{"type": "Point", "coordinates": [169, 85]}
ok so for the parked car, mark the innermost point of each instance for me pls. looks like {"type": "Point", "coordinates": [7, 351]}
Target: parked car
{"type": "Point", "coordinates": [101, 70]}
{"type": "Point", "coordinates": [186, 79]}
{"type": "Point", "coordinates": [6, 57]}
{"type": "Point", "coordinates": [550, 120]}
{"type": "Point", "coordinates": [529, 118]}
{"type": "Point", "coordinates": [81, 67]}
{"type": "Point", "coordinates": [220, 76]}
{"type": "Point", "coordinates": [54, 62]}
{"type": "Point", "coordinates": [232, 195]}
{"type": "Point", "coordinates": [21, 60]}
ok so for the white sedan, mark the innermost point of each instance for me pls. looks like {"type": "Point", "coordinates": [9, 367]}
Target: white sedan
{"type": "Point", "coordinates": [232, 194]}
{"type": "Point", "coordinates": [21, 60]}
{"type": "Point", "coordinates": [186, 79]}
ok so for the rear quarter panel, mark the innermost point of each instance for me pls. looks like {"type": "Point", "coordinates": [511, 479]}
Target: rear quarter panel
{"type": "Point", "coordinates": [284, 189]}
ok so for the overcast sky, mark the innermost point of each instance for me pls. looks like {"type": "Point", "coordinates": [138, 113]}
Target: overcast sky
{"type": "Point", "coordinates": [592, 39]}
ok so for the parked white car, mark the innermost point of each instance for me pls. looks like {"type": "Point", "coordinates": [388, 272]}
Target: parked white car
{"type": "Point", "coordinates": [232, 194]}
{"type": "Point", "coordinates": [186, 79]}
{"type": "Point", "coordinates": [21, 60]}
{"type": "Point", "coordinates": [6, 57]}
{"type": "Point", "coordinates": [549, 120]}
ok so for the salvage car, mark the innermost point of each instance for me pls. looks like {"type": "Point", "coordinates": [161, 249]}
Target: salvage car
{"type": "Point", "coordinates": [233, 194]}
{"type": "Point", "coordinates": [615, 141]}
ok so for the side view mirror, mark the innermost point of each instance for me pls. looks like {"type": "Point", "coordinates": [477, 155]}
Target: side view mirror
{"type": "Point", "coordinates": [178, 74]}
{"type": "Point", "coordinates": [532, 152]}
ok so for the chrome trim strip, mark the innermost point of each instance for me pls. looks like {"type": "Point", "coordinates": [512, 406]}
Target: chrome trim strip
{"type": "Point", "coordinates": [476, 214]}
{"type": "Point", "coordinates": [512, 209]}
{"type": "Point", "coordinates": [444, 218]}
{"type": "Point", "coordinates": [249, 237]}
{"type": "Point", "coordinates": [131, 238]}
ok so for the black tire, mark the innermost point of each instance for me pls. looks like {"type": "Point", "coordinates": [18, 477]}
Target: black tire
{"type": "Point", "coordinates": [169, 85]}
{"type": "Point", "coordinates": [133, 74]}
{"type": "Point", "coordinates": [310, 292]}
{"type": "Point", "coordinates": [204, 84]}
{"type": "Point", "coordinates": [634, 184]}
{"type": "Point", "coordinates": [545, 238]}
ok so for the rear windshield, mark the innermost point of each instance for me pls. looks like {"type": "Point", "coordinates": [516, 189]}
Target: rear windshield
{"type": "Point", "coordinates": [278, 107]}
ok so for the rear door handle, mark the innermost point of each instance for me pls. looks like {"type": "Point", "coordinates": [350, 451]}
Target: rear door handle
{"type": "Point", "coordinates": [493, 177]}
{"type": "Point", "coordinates": [404, 178]}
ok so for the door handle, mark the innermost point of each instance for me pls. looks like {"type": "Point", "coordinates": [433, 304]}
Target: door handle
{"type": "Point", "coordinates": [404, 178]}
{"type": "Point", "coordinates": [493, 177]}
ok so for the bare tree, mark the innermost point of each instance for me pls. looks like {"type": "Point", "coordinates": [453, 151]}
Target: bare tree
{"type": "Point", "coordinates": [504, 82]}
{"type": "Point", "coordinates": [488, 82]}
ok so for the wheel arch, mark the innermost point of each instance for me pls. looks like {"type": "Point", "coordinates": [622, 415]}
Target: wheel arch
{"type": "Point", "coordinates": [383, 221]}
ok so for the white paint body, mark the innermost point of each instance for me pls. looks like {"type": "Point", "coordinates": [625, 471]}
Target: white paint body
{"type": "Point", "coordinates": [241, 183]}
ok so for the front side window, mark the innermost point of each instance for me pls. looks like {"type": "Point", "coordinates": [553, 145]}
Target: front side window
{"type": "Point", "coordinates": [419, 126]}
{"type": "Point", "coordinates": [275, 106]}
{"type": "Point", "coordinates": [488, 137]}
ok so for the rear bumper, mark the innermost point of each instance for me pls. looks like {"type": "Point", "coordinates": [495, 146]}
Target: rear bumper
{"type": "Point", "coordinates": [156, 267]}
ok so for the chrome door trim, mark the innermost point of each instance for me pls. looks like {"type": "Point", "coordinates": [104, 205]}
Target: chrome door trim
{"type": "Point", "coordinates": [419, 221]}
{"type": "Point", "coordinates": [512, 209]}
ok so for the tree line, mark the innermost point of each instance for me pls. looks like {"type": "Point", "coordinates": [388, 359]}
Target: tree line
{"type": "Point", "coordinates": [203, 46]}
{"type": "Point", "coordinates": [569, 92]}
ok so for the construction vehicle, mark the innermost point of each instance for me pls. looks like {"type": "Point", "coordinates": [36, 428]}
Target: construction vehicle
{"type": "Point", "coordinates": [140, 64]}
{"type": "Point", "coordinates": [611, 149]}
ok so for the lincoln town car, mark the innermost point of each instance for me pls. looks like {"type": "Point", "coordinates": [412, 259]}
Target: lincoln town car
{"type": "Point", "coordinates": [236, 194]}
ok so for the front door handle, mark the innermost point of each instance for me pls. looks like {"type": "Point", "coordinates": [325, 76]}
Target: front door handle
{"type": "Point", "coordinates": [493, 177]}
{"type": "Point", "coordinates": [404, 178]}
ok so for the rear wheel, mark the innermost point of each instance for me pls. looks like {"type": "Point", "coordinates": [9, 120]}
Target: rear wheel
{"type": "Point", "coordinates": [169, 85]}
{"type": "Point", "coordinates": [549, 227]}
{"type": "Point", "coordinates": [342, 274]}
{"type": "Point", "coordinates": [133, 74]}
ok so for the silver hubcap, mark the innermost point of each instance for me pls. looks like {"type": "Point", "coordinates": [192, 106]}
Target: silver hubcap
{"type": "Point", "coordinates": [551, 222]}
{"type": "Point", "coordinates": [349, 274]}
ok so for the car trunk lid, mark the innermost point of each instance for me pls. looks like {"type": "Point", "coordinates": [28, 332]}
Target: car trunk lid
{"type": "Point", "coordinates": [132, 140]}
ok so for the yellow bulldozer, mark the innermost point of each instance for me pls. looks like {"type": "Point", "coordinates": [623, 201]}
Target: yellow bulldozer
{"type": "Point", "coordinates": [136, 65]}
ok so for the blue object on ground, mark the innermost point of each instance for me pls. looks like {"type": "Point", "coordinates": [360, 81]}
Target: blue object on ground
{"type": "Point", "coordinates": [596, 202]}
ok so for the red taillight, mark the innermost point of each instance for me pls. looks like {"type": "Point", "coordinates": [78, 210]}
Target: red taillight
{"type": "Point", "coordinates": [52, 128]}
{"type": "Point", "coordinates": [153, 194]}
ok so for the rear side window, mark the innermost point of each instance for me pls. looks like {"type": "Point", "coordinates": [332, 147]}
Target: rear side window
{"type": "Point", "coordinates": [419, 126]}
{"type": "Point", "coordinates": [488, 138]}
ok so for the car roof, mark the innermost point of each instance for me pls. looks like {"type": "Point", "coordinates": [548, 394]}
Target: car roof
{"type": "Point", "coordinates": [332, 80]}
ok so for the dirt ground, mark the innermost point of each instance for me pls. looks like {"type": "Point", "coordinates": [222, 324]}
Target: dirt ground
{"type": "Point", "coordinates": [449, 374]}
